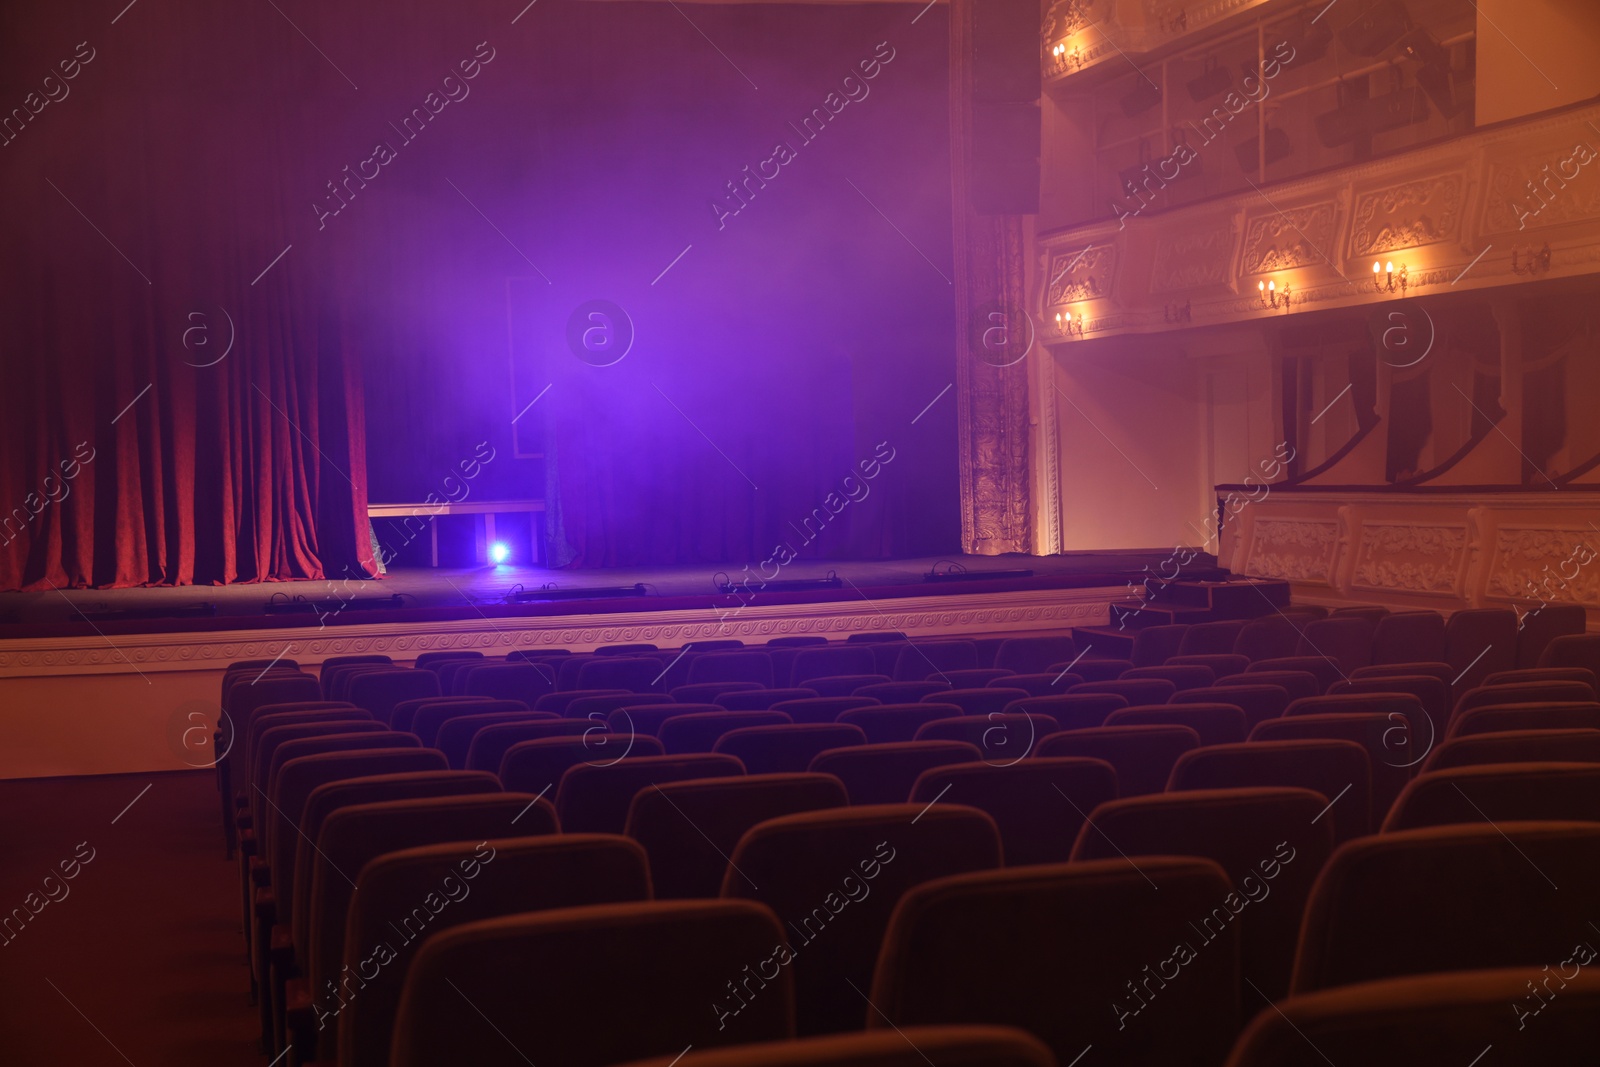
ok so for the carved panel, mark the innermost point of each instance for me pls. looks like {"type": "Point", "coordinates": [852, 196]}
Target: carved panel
{"type": "Point", "coordinates": [1299, 550]}
{"type": "Point", "coordinates": [1297, 237]}
{"type": "Point", "coordinates": [1079, 274]}
{"type": "Point", "coordinates": [1420, 212]}
{"type": "Point", "coordinates": [1528, 192]}
{"type": "Point", "coordinates": [1412, 558]}
{"type": "Point", "coordinates": [1193, 260]}
{"type": "Point", "coordinates": [1550, 565]}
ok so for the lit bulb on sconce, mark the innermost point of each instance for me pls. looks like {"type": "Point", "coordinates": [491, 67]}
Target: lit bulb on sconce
{"type": "Point", "coordinates": [1387, 283]}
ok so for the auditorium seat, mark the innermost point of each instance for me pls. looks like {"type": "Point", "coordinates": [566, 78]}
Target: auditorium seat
{"type": "Point", "coordinates": [1408, 637]}
{"type": "Point", "coordinates": [404, 713]}
{"type": "Point", "coordinates": [902, 692]}
{"type": "Point", "coordinates": [1142, 755]}
{"type": "Point", "coordinates": [1272, 637]}
{"type": "Point", "coordinates": [1264, 838]}
{"type": "Point", "coordinates": [537, 766]}
{"type": "Point", "coordinates": [469, 881]}
{"type": "Point", "coordinates": [1038, 685]}
{"type": "Point", "coordinates": [1404, 711]}
{"type": "Point", "coordinates": [749, 666]}
{"type": "Point", "coordinates": [1325, 670]}
{"type": "Point", "coordinates": [537, 655]}
{"type": "Point", "coordinates": [976, 701]}
{"type": "Point", "coordinates": [1154, 645]}
{"type": "Point", "coordinates": [887, 723]}
{"type": "Point", "coordinates": [1449, 898]}
{"type": "Point", "coordinates": [690, 828]}
{"type": "Point", "coordinates": [1038, 804]}
{"type": "Point", "coordinates": [721, 644]}
{"type": "Point", "coordinates": [830, 661]}
{"type": "Point", "coordinates": [785, 748]}
{"type": "Point", "coordinates": [915, 1046]}
{"type": "Point", "coordinates": [648, 719]}
{"type": "Point", "coordinates": [1564, 715]}
{"type": "Point", "coordinates": [822, 709]}
{"type": "Point", "coordinates": [277, 745]}
{"type": "Point", "coordinates": [919, 659]}
{"type": "Point", "coordinates": [453, 674]}
{"type": "Point", "coordinates": [699, 731]}
{"type": "Point", "coordinates": [845, 684]}
{"type": "Point", "coordinates": [1339, 770]}
{"type": "Point", "coordinates": [559, 701]}
{"type": "Point", "coordinates": [593, 798]}
{"type": "Point", "coordinates": [1392, 748]}
{"type": "Point", "coordinates": [431, 718]}
{"type": "Point", "coordinates": [627, 649]}
{"type": "Point", "coordinates": [621, 672]}
{"type": "Point", "coordinates": [761, 699]}
{"type": "Point", "coordinates": [1071, 711]}
{"type": "Point", "coordinates": [1478, 642]}
{"type": "Point", "coordinates": [1442, 671]}
{"type": "Point", "coordinates": [1093, 670]}
{"type": "Point", "coordinates": [1573, 650]}
{"type": "Point", "coordinates": [239, 704]}
{"type": "Point", "coordinates": [1182, 676]}
{"type": "Point", "coordinates": [569, 669]}
{"type": "Point", "coordinates": [511, 682]}
{"type": "Point", "coordinates": [1001, 738]}
{"type": "Point", "coordinates": [1433, 693]}
{"type": "Point", "coordinates": [1524, 675]}
{"type": "Point", "coordinates": [833, 879]}
{"type": "Point", "coordinates": [1499, 793]}
{"type": "Point", "coordinates": [1033, 655]}
{"type": "Point", "coordinates": [336, 681]}
{"type": "Point", "coordinates": [884, 773]}
{"type": "Point", "coordinates": [468, 993]}
{"type": "Point", "coordinates": [977, 678]}
{"type": "Point", "coordinates": [490, 744]}
{"type": "Point", "coordinates": [1214, 724]}
{"type": "Point", "coordinates": [307, 713]}
{"type": "Point", "coordinates": [1210, 639]}
{"type": "Point", "coordinates": [456, 734]}
{"type": "Point", "coordinates": [380, 691]}
{"type": "Point", "coordinates": [598, 707]}
{"type": "Point", "coordinates": [1140, 691]}
{"type": "Point", "coordinates": [1296, 683]}
{"type": "Point", "coordinates": [1067, 952]}
{"type": "Point", "coordinates": [1516, 746]}
{"type": "Point", "coordinates": [1258, 702]}
{"type": "Point", "coordinates": [706, 692]}
{"type": "Point", "coordinates": [1454, 1018]}
{"type": "Point", "coordinates": [796, 641]}
{"type": "Point", "coordinates": [1539, 626]}
{"type": "Point", "coordinates": [430, 661]}
{"type": "Point", "coordinates": [1525, 693]}
{"type": "Point", "coordinates": [1222, 664]}
{"type": "Point", "coordinates": [310, 957]}
{"type": "Point", "coordinates": [1345, 641]}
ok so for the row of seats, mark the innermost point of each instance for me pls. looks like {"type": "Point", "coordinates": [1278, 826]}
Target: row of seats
{"type": "Point", "coordinates": [771, 830]}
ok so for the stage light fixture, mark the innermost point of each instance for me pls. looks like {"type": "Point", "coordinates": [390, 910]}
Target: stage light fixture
{"type": "Point", "coordinates": [1377, 29]}
{"type": "Point", "coordinates": [499, 552]}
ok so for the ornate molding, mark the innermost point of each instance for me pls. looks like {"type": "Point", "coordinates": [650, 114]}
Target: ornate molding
{"type": "Point", "coordinates": [1281, 240]}
{"type": "Point", "coordinates": [1407, 215]}
{"type": "Point", "coordinates": [1299, 550]}
{"type": "Point", "coordinates": [157, 654]}
{"type": "Point", "coordinates": [1198, 259]}
{"type": "Point", "coordinates": [1414, 558]}
{"type": "Point", "coordinates": [1082, 273]}
{"type": "Point", "coordinates": [1555, 564]}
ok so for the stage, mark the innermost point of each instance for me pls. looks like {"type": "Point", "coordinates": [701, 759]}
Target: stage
{"type": "Point", "coordinates": [144, 665]}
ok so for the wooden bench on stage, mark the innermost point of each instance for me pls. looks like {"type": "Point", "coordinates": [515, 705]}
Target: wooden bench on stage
{"type": "Point", "coordinates": [534, 509]}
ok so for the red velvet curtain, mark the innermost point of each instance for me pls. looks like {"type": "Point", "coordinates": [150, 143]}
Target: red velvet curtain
{"type": "Point", "coordinates": [180, 404]}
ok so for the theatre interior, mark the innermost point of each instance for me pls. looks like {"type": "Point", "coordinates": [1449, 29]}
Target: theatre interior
{"type": "Point", "coordinates": [800, 533]}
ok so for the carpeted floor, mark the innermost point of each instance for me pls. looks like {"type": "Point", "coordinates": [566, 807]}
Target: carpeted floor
{"type": "Point", "coordinates": [138, 959]}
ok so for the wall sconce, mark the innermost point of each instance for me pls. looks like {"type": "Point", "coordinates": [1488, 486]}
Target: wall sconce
{"type": "Point", "coordinates": [1267, 293]}
{"type": "Point", "coordinates": [1385, 280]}
{"type": "Point", "coordinates": [1536, 262]}
{"type": "Point", "coordinates": [1067, 326]}
{"type": "Point", "coordinates": [1175, 312]}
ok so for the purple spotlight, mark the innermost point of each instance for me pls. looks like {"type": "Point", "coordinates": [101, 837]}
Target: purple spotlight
{"type": "Point", "coordinates": [499, 552]}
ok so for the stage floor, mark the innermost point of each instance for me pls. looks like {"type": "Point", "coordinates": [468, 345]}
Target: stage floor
{"type": "Point", "coordinates": [488, 593]}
